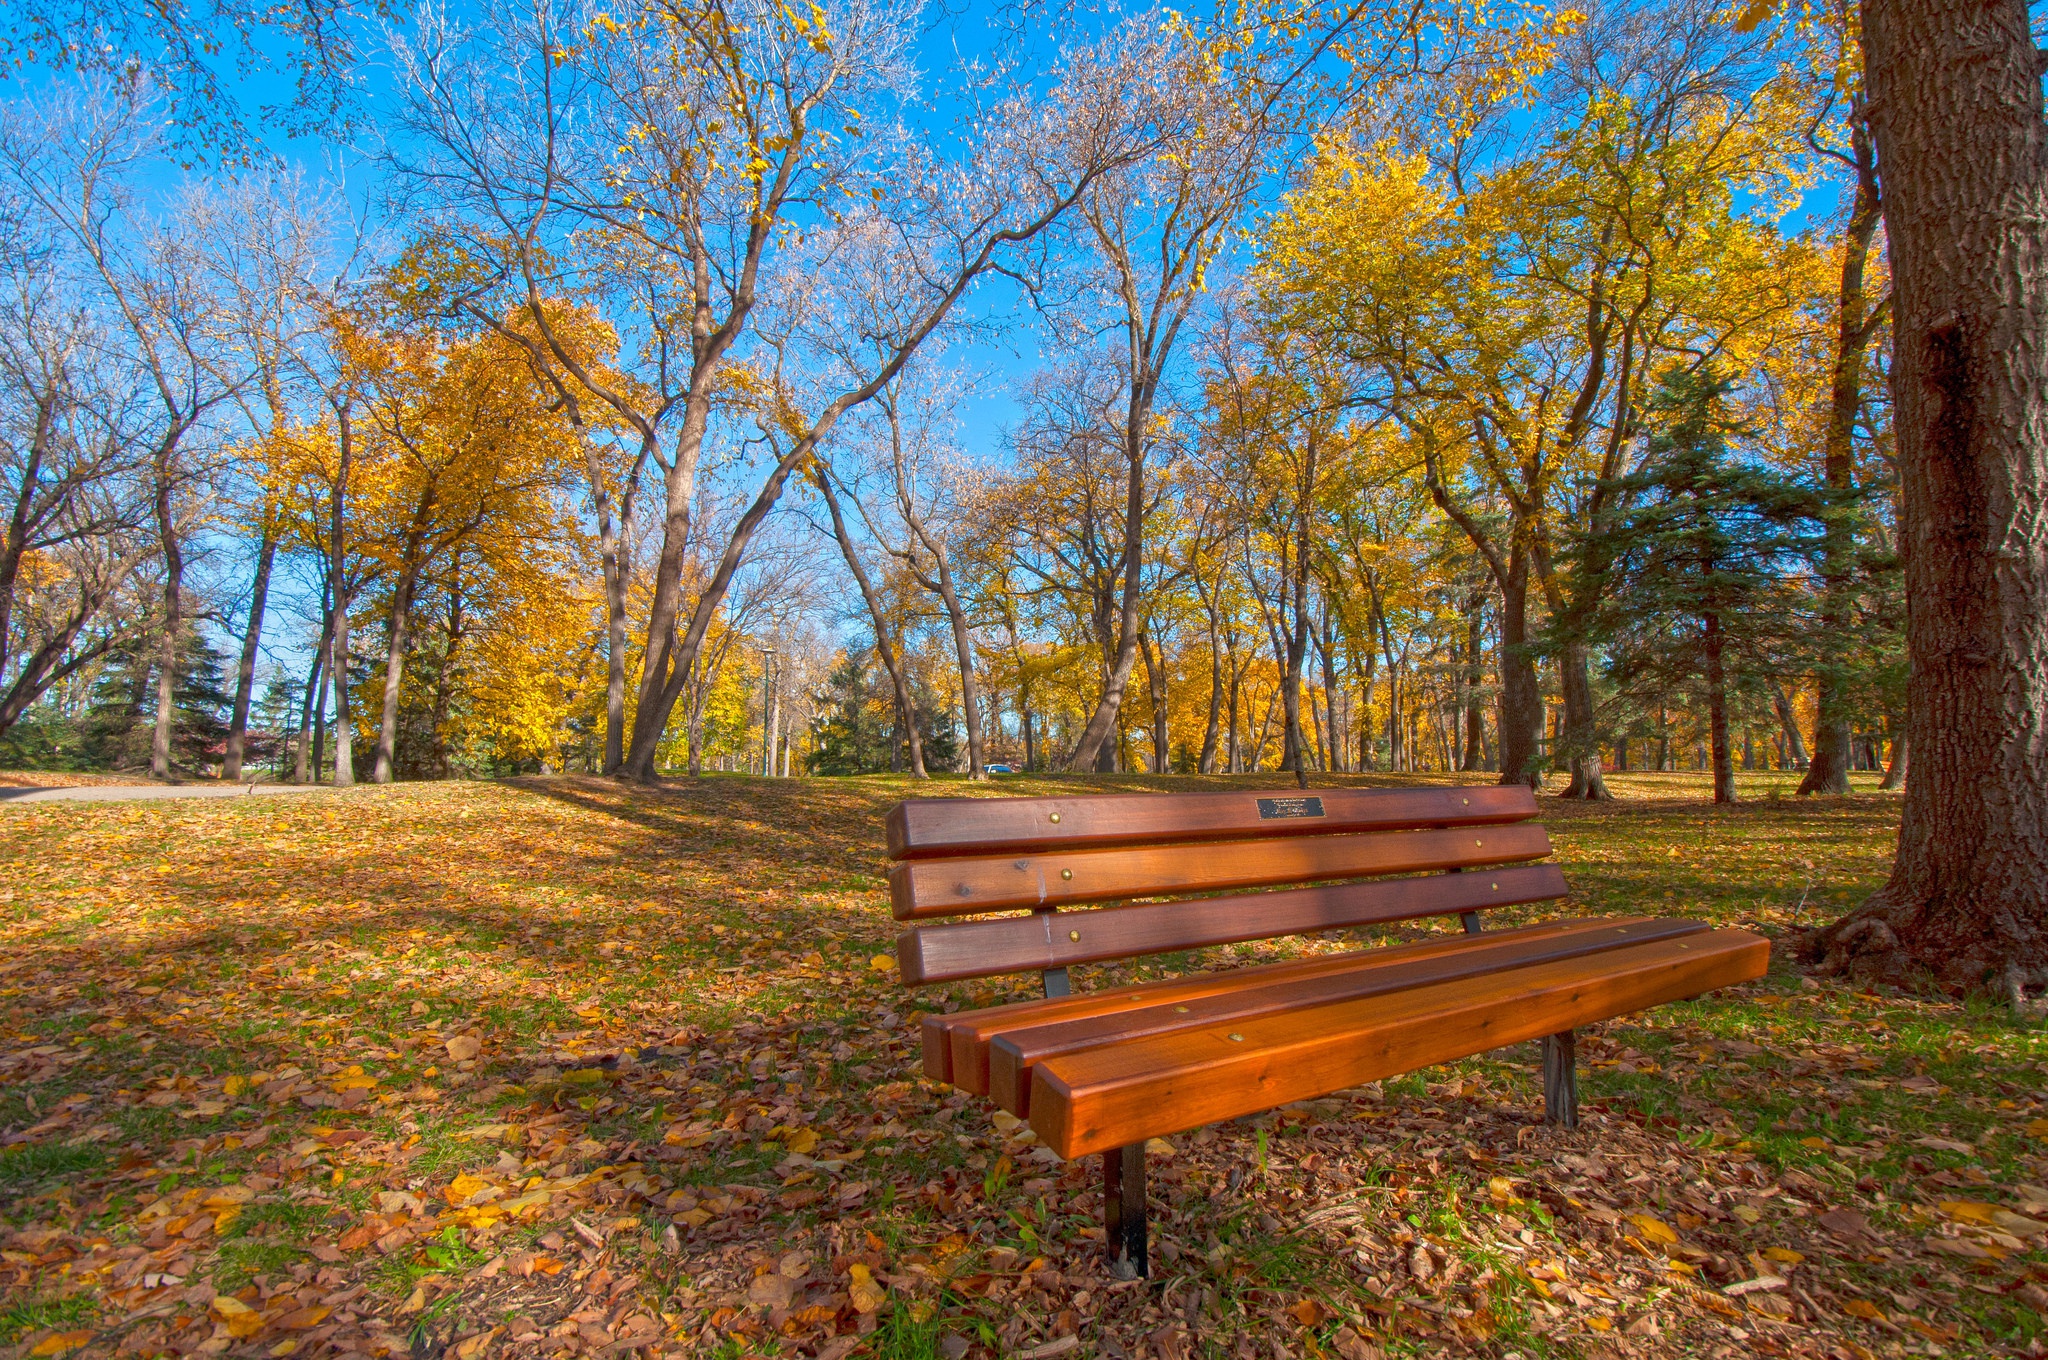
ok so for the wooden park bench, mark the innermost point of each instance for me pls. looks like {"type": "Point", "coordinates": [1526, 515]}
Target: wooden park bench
{"type": "Point", "coordinates": [1104, 1071]}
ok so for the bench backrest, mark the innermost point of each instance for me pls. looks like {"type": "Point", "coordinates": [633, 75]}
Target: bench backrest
{"type": "Point", "coordinates": [974, 856]}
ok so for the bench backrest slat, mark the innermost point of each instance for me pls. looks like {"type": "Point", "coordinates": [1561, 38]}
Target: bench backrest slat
{"type": "Point", "coordinates": [1015, 944]}
{"type": "Point", "coordinates": [972, 856]}
{"type": "Point", "coordinates": [928, 827]}
{"type": "Point", "coordinates": [958, 887]}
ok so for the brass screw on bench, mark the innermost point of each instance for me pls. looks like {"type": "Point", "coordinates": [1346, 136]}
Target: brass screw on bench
{"type": "Point", "coordinates": [1074, 935]}
{"type": "Point", "coordinates": [1055, 816]}
{"type": "Point", "coordinates": [1066, 873]}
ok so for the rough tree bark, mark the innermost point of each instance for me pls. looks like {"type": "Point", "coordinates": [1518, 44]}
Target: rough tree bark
{"type": "Point", "coordinates": [1521, 695]}
{"type": "Point", "coordinates": [1962, 147]}
{"type": "Point", "coordinates": [900, 682]}
{"type": "Point", "coordinates": [1717, 709]}
{"type": "Point", "coordinates": [1895, 773]}
{"type": "Point", "coordinates": [1475, 677]}
{"type": "Point", "coordinates": [1854, 324]}
{"type": "Point", "coordinates": [174, 619]}
{"type": "Point", "coordinates": [252, 637]}
{"type": "Point", "coordinates": [344, 729]}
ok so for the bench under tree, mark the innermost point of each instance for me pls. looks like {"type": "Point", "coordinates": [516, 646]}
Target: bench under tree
{"type": "Point", "coordinates": [1103, 1071]}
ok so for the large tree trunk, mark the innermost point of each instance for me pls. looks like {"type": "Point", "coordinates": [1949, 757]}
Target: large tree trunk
{"type": "Point", "coordinates": [1207, 763]}
{"type": "Point", "coordinates": [1098, 745]}
{"type": "Point", "coordinates": [963, 651]}
{"type": "Point", "coordinates": [891, 662]}
{"type": "Point", "coordinates": [1155, 686]}
{"type": "Point", "coordinates": [1580, 735]}
{"type": "Point", "coordinates": [1334, 745]}
{"type": "Point", "coordinates": [1521, 696]}
{"type": "Point", "coordinates": [1717, 710]}
{"type": "Point", "coordinates": [1956, 108]}
{"type": "Point", "coordinates": [1475, 711]}
{"type": "Point", "coordinates": [309, 724]}
{"type": "Point", "coordinates": [245, 670]}
{"type": "Point", "coordinates": [1895, 773]}
{"type": "Point", "coordinates": [1829, 770]}
{"type": "Point", "coordinates": [167, 655]}
{"type": "Point", "coordinates": [344, 734]}
{"type": "Point", "coordinates": [320, 703]}
{"type": "Point", "coordinates": [394, 678]}
{"type": "Point", "coordinates": [1795, 745]}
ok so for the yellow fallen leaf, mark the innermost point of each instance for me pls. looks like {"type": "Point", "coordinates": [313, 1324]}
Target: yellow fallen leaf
{"type": "Point", "coordinates": [463, 1186]}
{"type": "Point", "coordinates": [696, 1218]}
{"type": "Point", "coordinates": [584, 1076]}
{"type": "Point", "coordinates": [61, 1342]}
{"type": "Point", "coordinates": [802, 1141]}
{"type": "Point", "coordinates": [1968, 1211]}
{"type": "Point", "coordinates": [1863, 1308]}
{"type": "Point", "coordinates": [881, 963]}
{"type": "Point", "coordinates": [1748, 1213]}
{"type": "Point", "coordinates": [227, 1195]}
{"type": "Point", "coordinates": [2038, 1128]}
{"type": "Point", "coordinates": [1819, 1144]}
{"type": "Point", "coordinates": [234, 1085]}
{"type": "Point", "coordinates": [1654, 1229]}
{"type": "Point", "coordinates": [533, 1201]}
{"type": "Point", "coordinates": [463, 1047]}
{"type": "Point", "coordinates": [1783, 1254]}
{"type": "Point", "coordinates": [242, 1326]}
{"type": "Point", "coordinates": [867, 1295]}
{"type": "Point", "coordinates": [284, 1348]}
{"type": "Point", "coordinates": [1502, 1189]}
{"type": "Point", "coordinates": [228, 1306]}
{"type": "Point", "coordinates": [1599, 1324]}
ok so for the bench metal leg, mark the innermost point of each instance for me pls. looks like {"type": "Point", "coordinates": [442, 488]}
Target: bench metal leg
{"type": "Point", "coordinates": [1123, 1211]}
{"type": "Point", "coordinates": [1561, 1079]}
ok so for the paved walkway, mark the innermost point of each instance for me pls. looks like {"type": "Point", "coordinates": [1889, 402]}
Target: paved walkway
{"type": "Point", "coordinates": [127, 793]}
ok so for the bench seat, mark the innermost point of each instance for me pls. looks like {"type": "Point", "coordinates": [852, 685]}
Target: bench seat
{"type": "Point", "coordinates": [1113, 1094]}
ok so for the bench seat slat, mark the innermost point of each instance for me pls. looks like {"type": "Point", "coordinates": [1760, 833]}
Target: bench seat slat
{"type": "Point", "coordinates": [1013, 1054]}
{"type": "Point", "coordinates": [1120, 1095]}
{"type": "Point", "coordinates": [929, 827]}
{"type": "Point", "coordinates": [1010, 944]}
{"type": "Point", "coordinates": [956, 1046]}
{"type": "Point", "coordinates": [953, 887]}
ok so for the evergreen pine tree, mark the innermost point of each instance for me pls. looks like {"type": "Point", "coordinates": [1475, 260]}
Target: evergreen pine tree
{"type": "Point", "coordinates": [1703, 548]}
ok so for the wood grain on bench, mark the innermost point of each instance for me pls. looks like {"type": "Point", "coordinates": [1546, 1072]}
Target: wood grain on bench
{"type": "Point", "coordinates": [953, 887]}
{"type": "Point", "coordinates": [1010, 944]}
{"type": "Point", "coordinates": [956, 1046]}
{"type": "Point", "coordinates": [930, 827]}
{"type": "Point", "coordinates": [1014, 1053]}
{"type": "Point", "coordinates": [1118, 1095]}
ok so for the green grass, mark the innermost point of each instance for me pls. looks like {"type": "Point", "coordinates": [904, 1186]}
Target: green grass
{"type": "Point", "coordinates": [27, 1164]}
{"type": "Point", "coordinates": [22, 1317]}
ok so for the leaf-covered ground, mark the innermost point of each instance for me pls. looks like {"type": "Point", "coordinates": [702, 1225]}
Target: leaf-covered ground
{"type": "Point", "coordinates": [554, 1067]}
